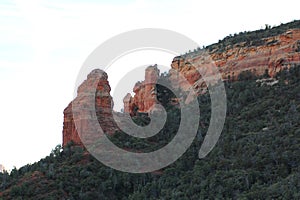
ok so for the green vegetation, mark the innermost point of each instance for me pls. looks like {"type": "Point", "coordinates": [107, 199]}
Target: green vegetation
{"type": "Point", "coordinates": [255, 38]}
{"type": "Point", "coordinates": [247, 38]}
{"type": "Point", "coordinates": [257, 156]}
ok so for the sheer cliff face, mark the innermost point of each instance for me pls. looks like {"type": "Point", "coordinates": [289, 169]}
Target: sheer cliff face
{"type": "Point", "coordinates": [276, 53]}
{"type": "Point", "coordinates": [103, 107]}
{"type": "Point", "coordinates": [69, 129]}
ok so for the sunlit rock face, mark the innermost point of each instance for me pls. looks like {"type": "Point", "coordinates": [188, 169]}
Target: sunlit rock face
{"type": "Point", "coordinates": [103, 107]}
{"type": "Point", "coordinates": [271, 56]}
{"type": "Point", "coordinates": [144, 93]}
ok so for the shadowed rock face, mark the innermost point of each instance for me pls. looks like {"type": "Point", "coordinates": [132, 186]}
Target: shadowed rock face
{"type": "Point", "coordinates": [103, 107]}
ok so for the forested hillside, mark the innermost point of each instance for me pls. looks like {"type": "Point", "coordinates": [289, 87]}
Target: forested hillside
{"type": "Point", "coordinates": [256, 157]}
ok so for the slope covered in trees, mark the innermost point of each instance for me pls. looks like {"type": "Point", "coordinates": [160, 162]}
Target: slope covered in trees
{"type": "Point", "coordinates": [256, 157]}
{"type": "Point", "coordinates": [249, 38]}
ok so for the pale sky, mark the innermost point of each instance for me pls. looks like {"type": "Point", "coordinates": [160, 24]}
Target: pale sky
{"type": "Point", "coordinates": [44, 43]}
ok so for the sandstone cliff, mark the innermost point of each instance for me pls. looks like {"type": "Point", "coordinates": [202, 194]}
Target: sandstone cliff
{"type": "Point", "coordinates": [103, 107]}
{"type": "Point", "coordinates": [268, 56]}
{"type": "Point", "coordinates": [276, 53]}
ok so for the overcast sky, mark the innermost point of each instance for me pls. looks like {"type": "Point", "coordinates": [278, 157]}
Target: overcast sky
{"type": "Point", "coordinates": [44, 43]}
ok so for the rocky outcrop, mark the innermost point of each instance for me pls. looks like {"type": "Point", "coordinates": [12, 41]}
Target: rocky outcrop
{"type": "Point", "coordinates": [270, 56]}
{"type": "Point", "coordinates": [145, 93]}
{"type": "Point", "coordinates": [273, 55]}
{"type": "Point", "coordinates": [103, 107]}
{"type": "Point", "coordinates": [69, 129]}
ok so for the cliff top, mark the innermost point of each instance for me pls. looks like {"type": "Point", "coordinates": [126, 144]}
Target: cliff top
{"type": "Point", "coordinates": [247, 38]}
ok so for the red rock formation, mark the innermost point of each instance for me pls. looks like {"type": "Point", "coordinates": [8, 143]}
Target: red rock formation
{"type": "Point", "coordinates": [127, 103]}
{"type": "Point", "coordinates": [145, 93]}
{"type": "Point", "coordinates": [103, 107]}
{"type": "Point", "coordinates": [69, 129]}
{"type": "Point", "coordinates": [276, 53]}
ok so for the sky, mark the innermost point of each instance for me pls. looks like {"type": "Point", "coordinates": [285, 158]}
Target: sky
{"type": "Point", "coordinates": [44, 43]}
